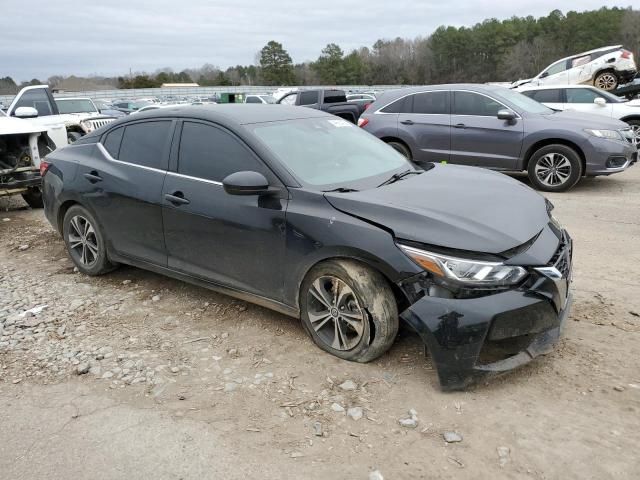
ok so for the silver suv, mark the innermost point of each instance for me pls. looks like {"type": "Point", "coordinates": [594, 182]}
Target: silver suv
{"type": "Point", "coordinates": [497, 128]}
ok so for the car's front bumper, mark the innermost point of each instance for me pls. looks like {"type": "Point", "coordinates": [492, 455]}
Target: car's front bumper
{"type": "Point", "coordinates": [605, 153]}
{"type": "Point", "coordinates": [468, 339]}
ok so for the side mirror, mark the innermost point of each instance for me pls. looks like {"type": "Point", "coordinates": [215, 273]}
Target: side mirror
{"type": "Point", "coordinates": [26, 112]}
{"type": "Point", "coordinates": [505, 114]}
{"type": "Point", "coordinates": [601, 102]}
{"type": "Point", "coordinates": [245, 183]}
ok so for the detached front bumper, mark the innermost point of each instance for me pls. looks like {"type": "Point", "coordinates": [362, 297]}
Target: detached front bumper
{"type": "Point", "coordinates": [472, 338]}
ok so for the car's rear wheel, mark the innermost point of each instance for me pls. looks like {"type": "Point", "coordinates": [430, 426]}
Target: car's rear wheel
{"type": "Point", "coordinates": [400, 147]}
{"type": "Point", "coordinates": [85, 242]}
{"type": "Point", "coordinates": [73, 136]}
{"type": "Point", "coordinates": [606, 81]}
{"type": "Point", "coordinates": [554, 168]}
{"type": "Point", "coordinates": [33, 197]}
{"type": "Point", "coordinates": [349, 310]}
{"type": "Point", "coordinates": [635, 128]}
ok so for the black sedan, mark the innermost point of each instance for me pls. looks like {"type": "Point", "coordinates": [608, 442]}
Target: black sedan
{"type": "Point", "coordinates": [304, 213]}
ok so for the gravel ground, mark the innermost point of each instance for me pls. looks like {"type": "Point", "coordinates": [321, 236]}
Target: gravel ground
{"type": "Point", "coordinates": [133, 375]}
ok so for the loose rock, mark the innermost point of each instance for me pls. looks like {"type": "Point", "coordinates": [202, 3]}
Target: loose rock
{"type": "Point", "coordinates": [452, 437]}
{"type": "Point", "coordinates": [503, 455]}
{"type": "Point", "coordinates": [348, 385]}
{"type": "Point", "coordinates": [83, 368]}
{"type": "Point", "coordinates": [355, 413]}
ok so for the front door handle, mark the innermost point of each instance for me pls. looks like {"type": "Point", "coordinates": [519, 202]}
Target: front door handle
{"type": "Point", "coordinates": [407, 122]}
{"type": "Point", "coordinates": [460, 125]}
{"type": "Point", "coordinates": [93, 176]}
{"type": "Point", "coordinates": [177, 198]}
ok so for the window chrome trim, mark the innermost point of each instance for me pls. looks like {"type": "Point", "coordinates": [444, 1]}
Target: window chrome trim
{"type": "Point", "coordinates": [380, 112]}
{"type": "Point", "coordinates": [108, 156]}
{"type": "Point", "coordinates": [189, 177]}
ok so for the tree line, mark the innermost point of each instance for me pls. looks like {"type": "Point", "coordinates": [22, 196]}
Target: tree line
{"type": "Point", "coordinates": [493, 50]}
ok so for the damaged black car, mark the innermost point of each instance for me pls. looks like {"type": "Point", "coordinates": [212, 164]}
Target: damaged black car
{"type": "Point", "coordinates": [302, 212]}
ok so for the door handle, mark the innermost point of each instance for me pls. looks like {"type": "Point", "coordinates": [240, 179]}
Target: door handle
{"type": "Point", "coordinates": [460, 125]}
{"type": "Point", "coordinates": [93, 176]}
{"type": "Point", "coordinates": [177, 198]}
{"type": "Point", "coordinates": [407, 122]}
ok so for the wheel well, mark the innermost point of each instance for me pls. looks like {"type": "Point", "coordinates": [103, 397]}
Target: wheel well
{"type": "Point", "coordinates": [75, 128]}
{"type": "Point", "coordinates": [397, 140]}
{"type": "Point", "coordinates": [401, 299]}
{"type": "Point", "coordinates": [609, 69]}
{"type": "Point", "coordinates": [62, 211]}
{"type": "Point", "coordinates": [632, 117]}
{"type": "Point", "coordinates": [550, 141]}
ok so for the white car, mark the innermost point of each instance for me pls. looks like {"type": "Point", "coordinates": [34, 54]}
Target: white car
{"type": "Point", "coordinates": [605, 68]}
{"type": "Point", "coordinates": [261, 98]}
{"type": "Point", "coordinates": [583, 98]}
{"type": "Point", "coordinates": [81, 116]}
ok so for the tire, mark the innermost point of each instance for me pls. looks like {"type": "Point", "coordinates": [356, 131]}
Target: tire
{"type": "Point", "coordinates": [635, 126]}
{"type": "Point", "coordinates": [402, 148]}
{"type": "Point", "coordinates": [372, 324]}
{"type": "Point", "coordinates": [554, 168]}
{"type": "Point", "coordinates": [93, 249]}
{"type": "Point", "coordinates": [34, 197]}
{"type": "Point", "coordinates": [73, 136]}
{"type": "Point", "coordinates": [606, 80]}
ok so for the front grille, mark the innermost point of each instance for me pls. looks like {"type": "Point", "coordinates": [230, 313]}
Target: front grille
{"type": "Point", "coordinates": [562, 258]}
{"type": "Point", "coordinates": [101, 123]}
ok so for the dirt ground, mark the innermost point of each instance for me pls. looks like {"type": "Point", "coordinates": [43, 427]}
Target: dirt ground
{"type": "Point", "coordinates": [133, 375]}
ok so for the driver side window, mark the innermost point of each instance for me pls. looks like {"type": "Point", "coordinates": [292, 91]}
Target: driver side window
{"type": "Point", "coordinates": [37, 99]}
{"type": "Point", "coordinates": [556, 68]}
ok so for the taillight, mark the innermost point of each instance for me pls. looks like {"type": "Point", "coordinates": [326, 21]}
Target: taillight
{"type": "Point", "coordinates": [44, 166]}
{"type": "Point", "coordinates": [626, 54]}
{"type": "Point", "coordinates": [362, 122]}
{"type": "Point", "coordinates": [367, 105]}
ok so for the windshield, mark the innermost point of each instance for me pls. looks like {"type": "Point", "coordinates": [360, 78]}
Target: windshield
{"type": "Point", "coordinates": [329, 151]}
{"type": "Point", "coordinates": [611, 98]}
{"type": "Point", "coordinates": [523, 102]}
{"type": "Point", "coordinates": [267, 98]}
{"type": "Point", "coordinates": [75, 106]}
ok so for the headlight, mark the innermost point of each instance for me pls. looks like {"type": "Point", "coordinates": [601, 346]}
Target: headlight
{"type": "Point", "coordinates": [468, 272]}
{"type": "Point", "coordinates": [87, 126]}
{"type": "Point", "coordinates": [609, 134]}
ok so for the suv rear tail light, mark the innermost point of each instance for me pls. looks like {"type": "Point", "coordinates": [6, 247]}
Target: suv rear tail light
{"type": "Point", "coordinates": [626, 54]}
{"type": "Point", "coordinates": [362, 122]}
{"type": "Point", "coordinates": [44, 166]}
{"type": "Point", "coordinates": [367, 105]}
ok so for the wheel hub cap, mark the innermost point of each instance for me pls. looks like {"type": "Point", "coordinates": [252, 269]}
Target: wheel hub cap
{"type": "Point", "coordinates": [83, 243]}
{"type": "Point", "coordinates": [553, 169]}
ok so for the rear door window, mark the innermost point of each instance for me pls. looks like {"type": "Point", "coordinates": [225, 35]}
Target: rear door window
{"type": "Point", "coordinates": [211, 153]}
{"type": "Point", "coordinates": [431, 103]}
{"type": "Point", "coordinates": [144, 143]}
{"type": "Point", "coordinates": [581, 95]}
{"type": "Point", "coordinates": [553, 95]}
{"type": "Point", "coordinates": [470, 103]}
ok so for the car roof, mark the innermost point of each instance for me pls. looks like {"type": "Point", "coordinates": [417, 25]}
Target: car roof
{"type": "Point", "coordinates": [238, 113]}
{"type": "Point", "coordinates": [577, 55]}
{"type": "Point", "coordinates": [474, 87]}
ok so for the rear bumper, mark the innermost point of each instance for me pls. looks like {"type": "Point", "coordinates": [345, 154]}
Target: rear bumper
{"type": "Point", "coordinates": [625, 76]}
{"type": "Point", "coordinates": [19, 182]}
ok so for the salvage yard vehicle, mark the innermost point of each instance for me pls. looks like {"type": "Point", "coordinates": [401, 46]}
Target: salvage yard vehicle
{"type": "Point", "coordinates": [501, 129]}
{"type": "Point", "coordinates": [81, 116]}
{"type": "Point", "coordinates": [302, 212]}
{"type": "Point", "coordinates": [331, 101]}
{"type": "Point", "coordinates": [22, 145]}
{"type": "Point", "coordinates": [582, 98]}
{"type": "Point", "coordinates": [605, 68]}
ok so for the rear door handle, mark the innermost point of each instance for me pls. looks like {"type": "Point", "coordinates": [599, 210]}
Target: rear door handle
{"type": "Point", "coordinates": [460, 125]}
{"type": "Point", "coordinates": [407, 122]}
{"type": "Point", "coordinates": [93, 177]}
{"type": "Point", "coordinates": [177, 198]}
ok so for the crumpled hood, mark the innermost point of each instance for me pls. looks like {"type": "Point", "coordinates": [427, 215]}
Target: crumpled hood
{"type": "Point", "coordinates": [587, 120]}
{"type": "Point", "coordinates": [454, 207]}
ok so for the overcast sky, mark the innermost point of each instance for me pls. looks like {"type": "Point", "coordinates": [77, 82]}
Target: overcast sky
{"type": "Point", "coordinates": [108, 37]}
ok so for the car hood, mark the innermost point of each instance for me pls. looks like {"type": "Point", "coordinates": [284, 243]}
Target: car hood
{"type": "Point", "coordinates": [451, 206]}
{"type": "Point", "coordinates": [13, 125]}
{"type": "Point", "coordinates": [586, 120]}
{"type": "Point", "coordinates": [631, 103]}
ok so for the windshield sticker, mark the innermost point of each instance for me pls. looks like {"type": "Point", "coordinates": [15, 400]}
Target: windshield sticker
{"type": "Point", "coordinates": [340, 123]}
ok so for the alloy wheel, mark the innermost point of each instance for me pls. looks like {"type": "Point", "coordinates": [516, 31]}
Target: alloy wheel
{"type": "Point", "coordinates": [635, 130]}
{"type": "Point", "coordinates": [334, 313]}
{"type": "Point", "coordinates": [553, 169]}
{"type": "Point", "coordinates": [83, 242]}
{"type": "Point", "coordinates": [606, 81]}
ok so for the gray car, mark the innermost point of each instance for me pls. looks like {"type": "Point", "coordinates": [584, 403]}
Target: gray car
{"type": "Point", "coordinates": [497, 128]}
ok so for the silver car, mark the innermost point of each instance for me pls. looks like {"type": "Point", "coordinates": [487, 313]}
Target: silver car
{"type": "Point", "coordinates": [497, 128]}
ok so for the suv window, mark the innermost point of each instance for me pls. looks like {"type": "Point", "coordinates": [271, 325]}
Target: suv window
{"type": "Point", "coordinates": [143, 143]}
{"type": "Point", "coordinates": [435, 103]}
{"type": "Point", "coordinates": [308, 98]}
{"type": "Point", "coordinates": [211, 153]}
{"type": "Point", "coordinates": [112, 140]}
{"type": "Point", "coordinates": [557, 68]}
{"type": "Point", "coordinates": [578, 62]}
{"type": "Point", "coordinates": [403, 105]}
{"type": "Point", "coordinates": [38, 99]}
{"type": "Point", "coordinates": [553, 95]}
{"type": "Point", "coordinates": [470, 103]}
{"type": "Point", "coordinates": [253, 99]}
{"type": "Point", "coordinates": [581, 95]}
{"type": "Point", "coordinates": [289, 99]}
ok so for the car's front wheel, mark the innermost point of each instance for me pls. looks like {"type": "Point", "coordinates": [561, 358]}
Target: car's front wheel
{"type": "Point", "coordinates": [635, 128]}
{"type": "Point", "coordinates": [554, 168]}
{"type": "Point", "coordinates": [606, 81]}
{"type": "Point", "coordinates": [85, 242]}
{"type": "Point", "coordinates": [349, 310]}
{"type": "Point", "coordinates": [73, 136]}
{"type": "Point", "coordinates": [400, 148]}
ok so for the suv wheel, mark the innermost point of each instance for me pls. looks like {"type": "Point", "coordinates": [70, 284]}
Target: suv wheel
{"type": "Point", "coordinates": [73, 136]}
{"type": "Point", "coordinates": [606, 81]}
{"type": "Point", "coordinates": [34, 197]}
{"type": "Point", "coordinates": [85, 242]}
{"type": "Point", "coordinates": [400, 147]}
{"type": "Point", "coordinates": [554, 168]}
{"type": "Point", "coordinates": [635, 128]}
{"type": "Point", "coordinates": [349, 310]}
